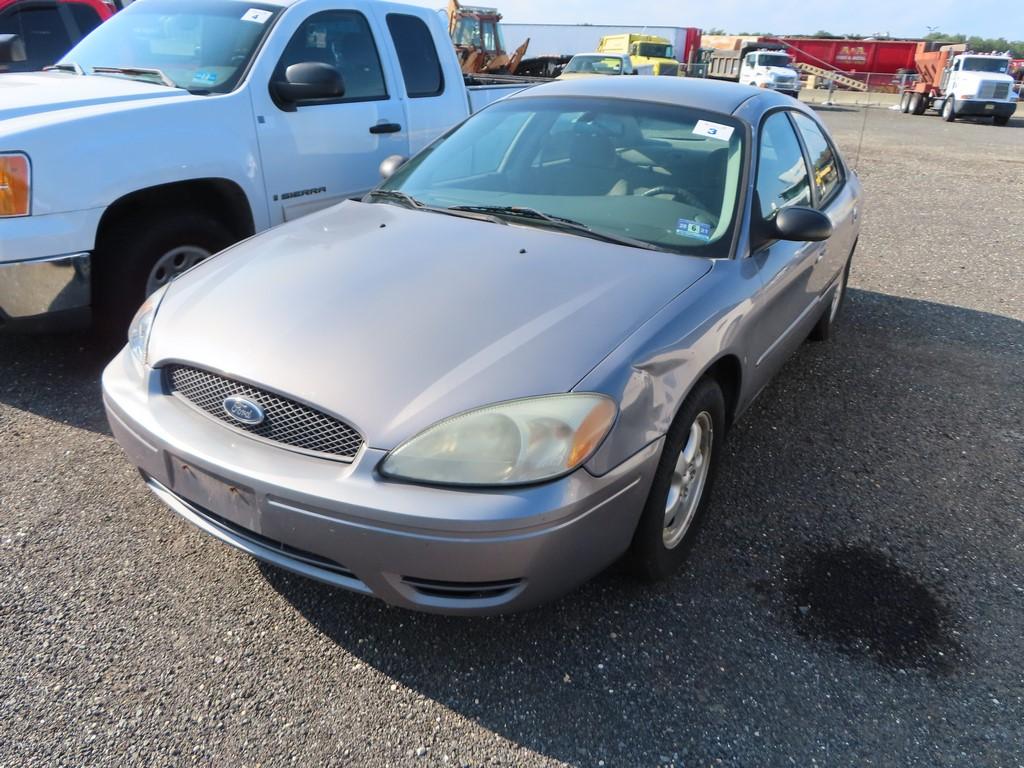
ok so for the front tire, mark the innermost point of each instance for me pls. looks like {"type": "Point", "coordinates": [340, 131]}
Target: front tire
{"type": "Point", "coordinates": [682, 484]}
{"type": "Point", "coordinates": [949, 110]}
{"type": "Point", "coordinates": [137, 257]}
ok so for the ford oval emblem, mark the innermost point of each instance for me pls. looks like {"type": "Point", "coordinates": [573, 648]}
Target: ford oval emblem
{"type": "Point", "coordinates": [244, 411]}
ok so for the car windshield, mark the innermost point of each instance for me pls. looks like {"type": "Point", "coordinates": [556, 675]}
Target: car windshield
{"type": "Point", "coordinates": [655, 50]}
{"type": "Point", "coordinates": [598, 65]}
{"type": "Point", "coordinates": [665, 176]}
{"type": "Point", "coordinates": [773, 60]}
{"type": "Point", "coordinates": [201, 45]}
{"type": "Point", "coordinates": [986, 64]}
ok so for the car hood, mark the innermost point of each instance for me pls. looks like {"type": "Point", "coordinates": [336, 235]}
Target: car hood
{"type": "Point", "coordinates": [33, 93]}
{"type": "Point", "coordinates": [392, 319]}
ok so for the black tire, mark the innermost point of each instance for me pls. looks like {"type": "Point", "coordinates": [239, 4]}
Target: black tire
{"type": "Point", "coordinates": [905, 102]}
{"type": "Point", "coordinates": [917, 104]}
{"type": "Point", "coordinates": [826, 326]}
{"type": "Point", "coordinates": [1001, 119]}
{"type": "Point", "coordinates": [949, 110]}
{"type": "Point", "coordinates": [130, 249]}
{"type": "Point", "coordinates": [649, 556]}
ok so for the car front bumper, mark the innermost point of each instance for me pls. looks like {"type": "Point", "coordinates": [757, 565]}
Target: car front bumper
{"type": "Point", "coordinates": [454, 551]}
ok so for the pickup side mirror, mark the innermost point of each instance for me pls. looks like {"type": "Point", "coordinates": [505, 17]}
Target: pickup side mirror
{"type": "Point", "coordinates": [802, 225]}
{"type": "Point", "coordinates": [308, 81]}
{"type": "Point", "coordinates": [12, 49]}
{"type": "Point", "coordinates": [389, 167]}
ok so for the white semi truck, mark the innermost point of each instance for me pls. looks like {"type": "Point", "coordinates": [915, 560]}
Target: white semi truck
{"type": "Point", "coordinates": [957, 83]}
{"type": "Point", "coordinates": [762, 65]}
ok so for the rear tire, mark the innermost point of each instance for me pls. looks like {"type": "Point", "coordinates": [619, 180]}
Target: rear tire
{"type": "Point", "coordinates": [949, 110]}
{"type": "Point", "coordinates": [135, 256]}
{"type": "Point", "coordinates": [826, 327]}
{"type": "Point", "coordinates": [1001, 119]}
{"type": "Point", "coordinates": [917, 104]}
{"type": "Point", "coordinates": [905, 102]}
{"type": "Point", "coordinates": [682, 485]}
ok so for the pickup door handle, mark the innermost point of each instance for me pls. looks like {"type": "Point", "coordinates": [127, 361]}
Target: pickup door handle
{"type": "Point", "coordinates": [822, 253]}
{"type": "Point", "coordinates": [385, 128]}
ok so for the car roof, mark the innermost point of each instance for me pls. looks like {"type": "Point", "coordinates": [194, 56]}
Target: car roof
{"type": "Point", "coordinates": [696, 93]}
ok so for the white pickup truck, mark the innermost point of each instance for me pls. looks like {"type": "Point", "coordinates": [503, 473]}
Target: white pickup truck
{"type": "Point", "coordinates": [180, 127]}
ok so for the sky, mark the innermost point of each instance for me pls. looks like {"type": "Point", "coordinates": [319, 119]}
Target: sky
{"type": "Point", "coordinates": [910, 18]}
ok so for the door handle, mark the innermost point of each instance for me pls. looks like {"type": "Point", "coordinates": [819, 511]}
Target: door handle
{"type": "Point", "coordinates": [821, 255]}
{"type": "Point", "coordinates": [380, 128]}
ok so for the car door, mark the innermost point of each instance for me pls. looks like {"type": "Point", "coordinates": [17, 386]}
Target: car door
{"type": "Point", "coordinates": [786, 304]}
{"type": "Point", "coordinates": [318, 153]}
{"type": "Point", "coordinates": [833, 196]}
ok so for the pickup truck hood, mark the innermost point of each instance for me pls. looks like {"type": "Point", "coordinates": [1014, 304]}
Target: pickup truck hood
{"type": "Point", "coordinates": [37, 92]}
{"type": "Point", "coordinates": [393, 319]}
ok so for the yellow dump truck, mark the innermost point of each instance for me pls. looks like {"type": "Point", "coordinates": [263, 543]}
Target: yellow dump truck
{"type": "Point", "coordinates": [651, 55]}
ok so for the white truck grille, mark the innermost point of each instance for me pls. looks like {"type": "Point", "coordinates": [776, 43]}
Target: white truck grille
{"type": "Point", "coordinates": [991, 89]}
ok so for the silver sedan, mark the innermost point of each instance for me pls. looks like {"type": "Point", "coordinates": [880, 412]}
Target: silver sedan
{"type": "Point", "coordinates": [515, 361]}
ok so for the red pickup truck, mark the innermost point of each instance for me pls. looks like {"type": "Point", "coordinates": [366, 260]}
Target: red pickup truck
{"type": "Point", "coordinates": [49, 28]}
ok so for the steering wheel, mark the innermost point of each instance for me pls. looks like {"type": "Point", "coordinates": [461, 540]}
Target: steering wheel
{"type": "Point", "coordinates": [682, 194]}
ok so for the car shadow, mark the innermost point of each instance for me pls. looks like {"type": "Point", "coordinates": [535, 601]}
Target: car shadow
{"type": "Point", "coordinates": [623, 672]}
{"type": "Point", "coordinates": [57, 376]}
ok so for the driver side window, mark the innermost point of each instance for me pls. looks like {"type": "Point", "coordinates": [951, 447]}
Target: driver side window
{"type": "Point", "coordinates": [782, 178]}
{"type": "Point", "coordinates": [343, 40]}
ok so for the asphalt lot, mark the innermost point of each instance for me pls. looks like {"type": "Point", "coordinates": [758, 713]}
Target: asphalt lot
{"type": "Point", "coordinates": [856, 598]}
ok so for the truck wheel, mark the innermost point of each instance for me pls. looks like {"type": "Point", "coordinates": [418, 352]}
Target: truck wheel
{"type": "Point", "coordinates": [1001, 119]}
{"type": "Point", "coordinates": [137, 257]}
{"type": "Point", "coordinates": [905, 102]}
{"type": "Point", "coordinates": [682, 484]}
{"type": "Point", "coordinates": [949, 110]}
{"type": "Point", "coordinates": [917, 104]}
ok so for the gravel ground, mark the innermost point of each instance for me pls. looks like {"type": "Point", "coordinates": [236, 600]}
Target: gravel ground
{"type": "Point", "coordinates": [855, 598]}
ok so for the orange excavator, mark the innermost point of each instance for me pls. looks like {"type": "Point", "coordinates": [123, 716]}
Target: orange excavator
{"type": "Point", "coordinates": [479, 42]}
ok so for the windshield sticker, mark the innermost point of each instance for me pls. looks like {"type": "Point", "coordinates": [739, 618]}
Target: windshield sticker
{"type": "Point", "coordinates": [256, 15]}
{"type": "Point", "coordinates": [713, 130]}
{"type": "Point", "coordinates": [698, 230]}
{"type": "Point", "coordinates": [207, 78]}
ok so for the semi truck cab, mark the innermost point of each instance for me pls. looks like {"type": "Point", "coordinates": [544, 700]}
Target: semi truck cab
{"type": "Point", "coordinates": [651, 55]}
{"type": "Point", "coordinates": [770, 69]}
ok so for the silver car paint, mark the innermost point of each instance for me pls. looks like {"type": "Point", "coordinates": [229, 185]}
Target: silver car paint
{"type": "Point", "coordinates": [458, 317]}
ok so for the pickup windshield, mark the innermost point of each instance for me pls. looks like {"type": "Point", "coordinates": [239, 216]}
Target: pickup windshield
{"type": "Point", "coordinates": [204, 46]}
{"type": "Point", "coordinates": [635, 172]}
{"type": "Point", "coordinates": [986, 64]}
{"type": "Point", "coordinates": [772, 60]}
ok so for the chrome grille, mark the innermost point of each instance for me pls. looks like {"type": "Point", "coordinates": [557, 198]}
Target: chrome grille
{"type": "Point", "coordinates": [990, 89]}
{"type": "Point", "coordinates": [286, 422]}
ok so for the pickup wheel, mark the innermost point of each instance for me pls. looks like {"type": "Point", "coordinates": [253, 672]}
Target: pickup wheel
{"type": "Point", "coordinates": [949, 110]}
{"type": "Point", "coordinates": [1001, 119]}
{"type": "Point", "coordinates": [137, 257]}
{"type": "Point", "coordinates": [682, 484]}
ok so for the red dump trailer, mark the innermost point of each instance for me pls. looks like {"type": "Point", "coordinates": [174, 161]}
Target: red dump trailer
{"type": "Point", "coordinates": [877, 60]}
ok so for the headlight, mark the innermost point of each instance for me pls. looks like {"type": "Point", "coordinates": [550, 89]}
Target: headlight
{"type": "Point", "coordinates": [512, 443]}
{"type": "Point", "coordinates": [15, 185]}
{"type": "Point", "coordinates": [138, 331]}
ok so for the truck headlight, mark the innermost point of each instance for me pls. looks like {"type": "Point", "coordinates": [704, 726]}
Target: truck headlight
{"type": "Point", "coordinates": [15, 185]}
{"type": "Point", "coordinates": [142, 325]}
{"type": "Point", "coordinates": [511, 443]}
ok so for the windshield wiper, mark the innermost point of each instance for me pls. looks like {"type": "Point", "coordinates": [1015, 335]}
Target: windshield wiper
{"type": "Point", "coordinates": [394, 194]}
{"type": "Point", "coordinates": [557, 222]}
{"type": "Point", "coordinates": [136, 73]}
{"type": "Point", "coordinates": [70, 66]}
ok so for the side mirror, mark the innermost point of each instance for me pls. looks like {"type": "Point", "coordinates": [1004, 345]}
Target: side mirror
{"type": "Point", "coordinates": [803, 225]}
{"type": "Point", "coordinates": [390, 166]}
{"type": "Point", "coordinates": [12, 49]}
{"type": "Point", "coordinates": [309, 81]}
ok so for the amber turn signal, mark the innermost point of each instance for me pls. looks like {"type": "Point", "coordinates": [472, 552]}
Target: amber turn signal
{"type": "Point", "coordinates": [15, 185]}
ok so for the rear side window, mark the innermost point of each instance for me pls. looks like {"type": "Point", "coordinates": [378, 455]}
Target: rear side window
{"type": "Point", "coordinates": [86, 18]}
{"type": "Point", "coordinates": [827, 173]}
{"type": "Point", "coordinates": [417, 54]}
{"type": "Point", "coordinates": [342, 39]}
{"type": "Point", "coordinates": [781, 170]}
{"type": "Point", "coordinates": [42, 31]}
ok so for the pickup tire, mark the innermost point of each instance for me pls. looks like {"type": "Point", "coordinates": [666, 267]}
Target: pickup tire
{"type": "Point", "coordinates": [127, 257]}
{"type": "Point", "coordinates": [1001, 119]}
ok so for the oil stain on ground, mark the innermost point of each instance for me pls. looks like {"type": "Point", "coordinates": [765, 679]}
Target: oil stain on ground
{"type": "Point", "coordinates": [866, 605]}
